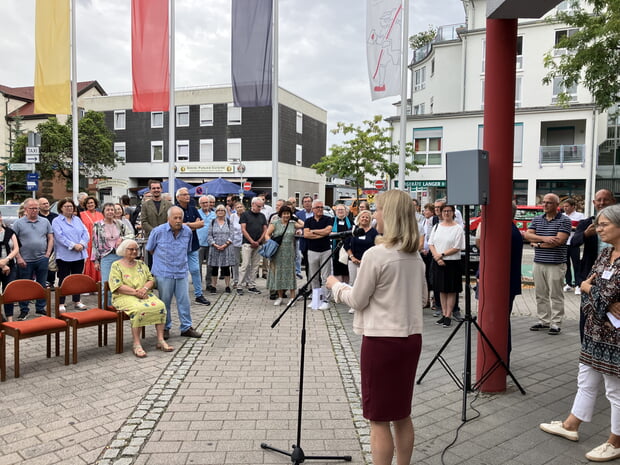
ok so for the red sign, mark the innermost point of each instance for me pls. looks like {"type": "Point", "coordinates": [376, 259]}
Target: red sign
{"type": "Point", "coordinates": [247, 186]}
{"type": "Point", "coordinates": [379, 184]}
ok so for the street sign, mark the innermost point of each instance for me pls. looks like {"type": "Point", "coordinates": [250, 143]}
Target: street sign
{"type": "Point", "coordinates": [32, 158]}
{"type": "Point", "coordinates": [241, 168]}
{"type": "Point", "coordinates": [21, 166]}
{"type": "Point", "coordinates": [32, 181]}
{"type": "Point", "coordinates": [32, 151]}
{"type": "Point", "coordinates": [247, 186]}
{"type": "Point", "coordinates": [199, 191]}
{"type": "Point", "coordinates": [379, 184]}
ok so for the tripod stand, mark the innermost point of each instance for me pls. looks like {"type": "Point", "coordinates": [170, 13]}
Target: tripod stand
{"type": "Point", "coordinates": [468, 321]}
{"type": "Point", "coordinates": [297, 455]}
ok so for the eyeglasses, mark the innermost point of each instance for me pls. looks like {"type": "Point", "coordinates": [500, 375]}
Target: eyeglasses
{"type": "Point", "coordinates": [132, 249]}
{"type": "Point", "coordinates": [32, 208]}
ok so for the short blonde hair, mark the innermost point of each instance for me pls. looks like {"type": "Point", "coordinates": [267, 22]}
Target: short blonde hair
{"type": "Point", "coordinates": [399, 221]}
{"type": "Point", "coordinates": [363, 212]}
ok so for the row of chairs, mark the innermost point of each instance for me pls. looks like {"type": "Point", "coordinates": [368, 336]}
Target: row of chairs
{"type": "Point", "coordinates": [22, 290]}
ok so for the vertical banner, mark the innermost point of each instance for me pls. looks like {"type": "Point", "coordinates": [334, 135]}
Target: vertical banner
{"type": "Point", "coordinates": [150, 55]}
{"type": "Point", "coordinates": [52, 74]}
{"type": "Point", "coordinates": [383, 46]}
{"type": "Point", "coordinates": [251, 52]}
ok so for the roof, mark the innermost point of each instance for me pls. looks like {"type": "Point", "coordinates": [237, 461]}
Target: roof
{"type": "Point", "coordinates": [27, 95]}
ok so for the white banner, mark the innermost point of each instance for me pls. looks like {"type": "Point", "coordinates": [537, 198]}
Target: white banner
{"type": "Point", "coordinates": [383, 46]}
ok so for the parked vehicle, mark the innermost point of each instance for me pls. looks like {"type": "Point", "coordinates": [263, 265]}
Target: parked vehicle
{"type": "Point", "coordinates": [9, 214]}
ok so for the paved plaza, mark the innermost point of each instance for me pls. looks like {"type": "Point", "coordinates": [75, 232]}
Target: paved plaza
{"type": "Point", "coordinates": [214, 400]}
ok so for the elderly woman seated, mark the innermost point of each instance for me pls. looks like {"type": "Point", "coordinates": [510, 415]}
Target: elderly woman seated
{"type": "Point", "coordinates": [131, 284]}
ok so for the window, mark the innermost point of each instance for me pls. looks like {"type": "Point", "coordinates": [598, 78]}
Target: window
{"type": "Point", "coordinates": [298, 155]}
{"type": "Point", "coordinates": [157, 151]}
{"type": "Point", "coordinates": [206, 150]}
{"type": "Point", "coordinates": [119, 119]}
{"type": "Point", "coordinates": [518, 91]}
{"type": "Point", "coordinates": [234, 114]}
{"type": "Point", "coordinates": [560, 35]}
{"type": "Point", "coordinates": [559, 87]}
{"type": "Point", "coordinates": [419, 77]}
{"type": "Point", "coordinates": [520, 52]}
{"type": "Point", "coordinates": [157, 119]}
{"type": "Point", "coordinates": [299, 122]}
{"type": "Point", "coordinates": [206, 115]}
{"type": "Point", "coordinates": [427, 143]}
{"type": "Point", "coordinates": [518, 142]}
{"type": "Point", "coordinates": [183, 116]}
{"type": "Point", "coordinates": [182, 150]}
{"type": "Point", "coordinates": [418, 109]}
{"type": "Point", "coordinates": [484, 55]}
{"type": "Point", "coordinates": [233, 152]}
{"type": "Point", "coordinates": [565, 5]}
{"type": "Point", "coordinates": [432, 67]}
{"type": "Point", "coordinates": [120, 150]}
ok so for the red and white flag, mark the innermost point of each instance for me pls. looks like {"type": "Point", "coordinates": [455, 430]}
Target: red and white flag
{"type": "Point", "coordinates": [383, 46]}
{"type": "Point", "coordinates": [150, 61]}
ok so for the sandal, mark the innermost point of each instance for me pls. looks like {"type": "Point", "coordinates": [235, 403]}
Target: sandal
{"type": "Point", "coordinates": [138, 351]}
{"type": "Point", "coordinates": [164, 347]}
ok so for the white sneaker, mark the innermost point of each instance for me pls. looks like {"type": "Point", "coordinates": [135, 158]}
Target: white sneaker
{"type": "Point", "coordinates": [289, 302]}
{"type": "Point", "coordinates": [567, 288]}
{"type": "Point", "coordinates": [577, 291]}
{"type": "Point", "coordinates": [351, 310]}
{"type": "Point", "coordinates": [62, 308]}
{"type": "Point", "coordinates": [324, 306]}
{"type": "Point", "coordinates": [277, 302]}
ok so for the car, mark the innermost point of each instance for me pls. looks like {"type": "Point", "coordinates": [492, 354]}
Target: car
{"type": "Point", "coordinates": [9, 213]}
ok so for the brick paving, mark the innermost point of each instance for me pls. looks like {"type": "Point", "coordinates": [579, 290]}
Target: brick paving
{"type": "Point", "coordinates": [216, 399]}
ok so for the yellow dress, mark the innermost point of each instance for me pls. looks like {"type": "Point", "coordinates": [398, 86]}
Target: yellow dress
{"type": "Point", "coordinates": [142, 312]}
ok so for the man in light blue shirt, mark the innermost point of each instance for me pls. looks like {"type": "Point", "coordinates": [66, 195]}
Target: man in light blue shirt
{"type": "Point", "coordinates": [170, 244]}
{"type": "Point", "coordinates": [207, 213]}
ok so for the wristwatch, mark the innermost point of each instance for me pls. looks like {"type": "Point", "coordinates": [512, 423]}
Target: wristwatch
{"type": "Point", "coordinates": [443, 254]}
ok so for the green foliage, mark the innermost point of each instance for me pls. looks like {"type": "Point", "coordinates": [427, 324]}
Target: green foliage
{"type": "Point", "coordinates": [367, 153]}
{"type": "Point", "coordinates": [423, 38]}
{"type": "Point", "coordinates": [593, 52]}
{"type": "Point", "coordinates": [96, 143]}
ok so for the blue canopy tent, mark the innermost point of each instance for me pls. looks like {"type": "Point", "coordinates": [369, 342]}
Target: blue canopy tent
{"type": "Point", "coordinates": [178, 183]}
{"type": "Point", "coordinates": [219, 188]}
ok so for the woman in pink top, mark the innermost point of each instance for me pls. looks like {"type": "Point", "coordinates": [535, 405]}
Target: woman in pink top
{"type": "Point", "coordinates": [388, 298]}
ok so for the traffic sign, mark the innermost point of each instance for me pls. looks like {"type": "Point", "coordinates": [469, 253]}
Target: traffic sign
{"type": "Point", "coordinates": [32, 181]}
{"type": "Point", "coordinates": [21, 166]}
{"type": "Point", "coordinates": [32, 158]}
{"type": "Point", "coordinates": [247, 186]}
{"type": "Point", "coordinates": [32, 151]}
{"type": "Point", "coordinates": [379, 184]}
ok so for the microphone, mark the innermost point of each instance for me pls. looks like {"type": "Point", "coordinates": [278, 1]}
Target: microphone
{"type": "Point", "coordinates": [356, 232]}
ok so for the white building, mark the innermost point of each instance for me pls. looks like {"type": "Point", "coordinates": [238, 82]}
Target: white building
{"type": "Point", "coordinates": [556, 149]}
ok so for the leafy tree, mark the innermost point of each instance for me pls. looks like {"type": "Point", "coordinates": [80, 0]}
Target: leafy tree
{"type": "Point", "coordinates": [96, 143]}
{"type": "Point", "coordinates": [368, 152]}
{"type": "Point", "coordinates": [593, 56]}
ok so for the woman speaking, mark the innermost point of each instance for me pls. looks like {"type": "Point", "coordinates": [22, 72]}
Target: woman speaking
{"type": "Point", "coordinates": [388, 297]}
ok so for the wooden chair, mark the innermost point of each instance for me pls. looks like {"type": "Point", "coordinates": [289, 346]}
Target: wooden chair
{"type": "Point", "coordinates": [22, 290]}
{"type": "Point", "coordinates": [82, 284]}
{"type": "Point", "coordinates": [120, 317]}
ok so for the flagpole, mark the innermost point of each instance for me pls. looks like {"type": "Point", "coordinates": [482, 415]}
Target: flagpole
{"type": "Point", "coordinates": [74, 108]}
{"type": "Point", "coordinates": [403, 96]}
{"type": "Point", "coordinates": [274, 107]}
{"type": "Point", "coordinates": [171, 108]}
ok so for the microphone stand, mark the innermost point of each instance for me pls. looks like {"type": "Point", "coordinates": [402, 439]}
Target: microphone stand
{"type": "Point", "coordinates": [297, 455]}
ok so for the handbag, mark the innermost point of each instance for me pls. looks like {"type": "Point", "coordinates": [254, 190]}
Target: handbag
{"type": "Point", "coordinates": [270, 248]}
{"type": "Point", "coordinates": [343, 256]}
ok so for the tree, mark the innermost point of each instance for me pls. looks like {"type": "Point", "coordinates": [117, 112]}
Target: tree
{"type": "Point", "coordinates": [592, 52]}
{"type": "Point", "coordinates": [95, 141]}
{"type": "Point", "coordinates": [369, 152]}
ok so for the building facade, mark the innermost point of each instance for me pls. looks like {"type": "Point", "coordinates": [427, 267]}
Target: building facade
{"type": "Point", "coordinates": [565, 150]}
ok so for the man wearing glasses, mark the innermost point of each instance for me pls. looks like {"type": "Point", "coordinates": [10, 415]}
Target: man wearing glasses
{"type": "Point", "coordinates": [548, 234]}
{"type": "Point", "coordinates": [36, 244]}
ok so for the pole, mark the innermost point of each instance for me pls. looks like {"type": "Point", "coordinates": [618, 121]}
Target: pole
{"type": "Point", "coordinates": [171, 108]}
{"type": "Point", "coordinates": [403, 96]}
{"type": "Point", "coordinates": [499, 113]}
{"type": "Point", "coordinates": [74, 109]}
{"type": "Point", "coordinates": [274, 107]}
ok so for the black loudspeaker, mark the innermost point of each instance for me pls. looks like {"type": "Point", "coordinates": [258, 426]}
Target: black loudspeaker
{"type": "Point", "coordinates": [467, 177]}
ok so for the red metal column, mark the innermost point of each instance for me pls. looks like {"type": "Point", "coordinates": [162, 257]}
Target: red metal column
{"type": "Point", "coordinates": [499, 104]}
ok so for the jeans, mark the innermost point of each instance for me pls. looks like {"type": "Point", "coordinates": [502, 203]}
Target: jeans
{"type": "Point", "coordinates": [203, 258]}
{"type": "Point", "coordinates": [38, 271]}
{"type": "Point", "coordinates": [105, 265]}
{"type": "Point", "coordinates": [235, 267]}
{"type": "Point", "coordinates": [194, 270]}
{"type": "Point", "coordinates": [178, 288]}
{"type": "Point", "coordinates": [68, 268]}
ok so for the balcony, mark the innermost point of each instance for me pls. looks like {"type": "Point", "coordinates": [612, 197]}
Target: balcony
{"type": "Point", "coordinates": [444, 33]}
{"type": "Point", "coordinates": [561, 154]}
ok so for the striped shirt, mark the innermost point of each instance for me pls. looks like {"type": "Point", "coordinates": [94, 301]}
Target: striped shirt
{"type": "Point", "coordinates": [543, 227]}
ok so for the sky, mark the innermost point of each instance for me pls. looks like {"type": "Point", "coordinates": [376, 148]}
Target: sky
{"type": "Point", "coordinates": [322, 48]}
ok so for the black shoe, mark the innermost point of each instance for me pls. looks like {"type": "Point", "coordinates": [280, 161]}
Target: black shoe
{"type": "Point", "coordinates": [201, 300]}
{"type": "Point", "coordinates": [554, 330]}
{"type": "Point", "coordinates": [166, 334]}
{"type": "Point", "coordinates": [440, 320]}
{"type": "Point", "coordinates": [539, 327]}
{"type": "Point", "coordinates": [191, 332]}
{"type": "Point", "coordinates": [227, 290]}
{"type": "Point", "coordinates": [447, 322]}
{"type": "Point", "coordinates": [457, 316]}
{"type": "Point", "coordinates": [213, 290]}
{"type": "Point", "coordinates": [239, 291]}
{"type": "Point", "coordinates": [272, 295]}
{"type": "Point", "coordinates": [22, 316]}
{"type": "Point", "coordinates": [42, 312]}
{"type": "Point", "coordinates": [210, 288]}
{"type": "Point", "coordinates": [253, 290]}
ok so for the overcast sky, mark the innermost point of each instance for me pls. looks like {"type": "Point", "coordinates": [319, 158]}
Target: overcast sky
{"type": "Point", "coordinates": [322, 47]}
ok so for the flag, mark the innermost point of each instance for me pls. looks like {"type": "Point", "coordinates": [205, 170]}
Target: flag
{"type": "Point", "coordinates": [251, 52]}
{"type": "Point", "coordinates": [383, 46]}
{"type": "Point", "coordinates": [52, 73]}
{"type": "Point", "coordinates": [150, 62]}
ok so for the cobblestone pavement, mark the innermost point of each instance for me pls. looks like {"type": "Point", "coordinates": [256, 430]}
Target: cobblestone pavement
{"type": "Point", "coordinates": [216, 399]}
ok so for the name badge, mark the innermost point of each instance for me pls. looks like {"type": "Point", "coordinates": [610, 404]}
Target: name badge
{"type": "Point", "coordinates": [608, 273]}
{"type": "Point", "coordinates": [362, 238]}
{"type": "Point", "coordinates": [341, 223]}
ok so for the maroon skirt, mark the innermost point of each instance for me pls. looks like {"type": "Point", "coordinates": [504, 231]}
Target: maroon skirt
{"type": "Point", "coordinates": [388, 368]}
